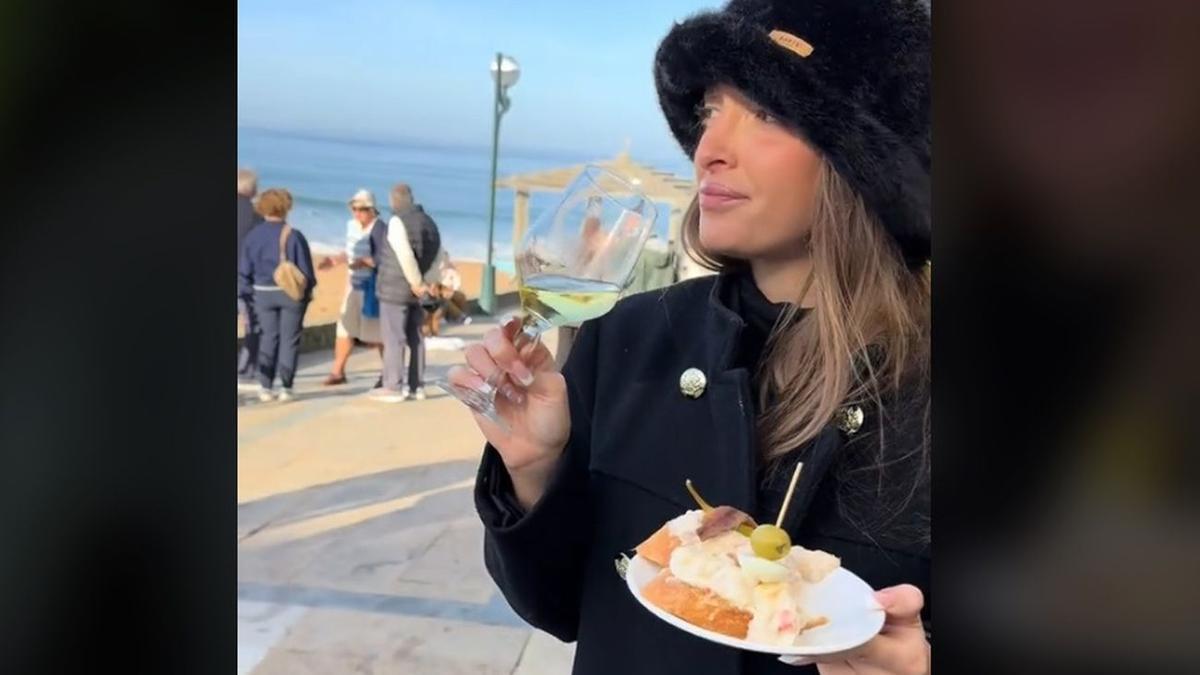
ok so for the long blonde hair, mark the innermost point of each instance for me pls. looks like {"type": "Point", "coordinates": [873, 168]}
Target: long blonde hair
{"type": "Point", "coordinates": [867, 336]}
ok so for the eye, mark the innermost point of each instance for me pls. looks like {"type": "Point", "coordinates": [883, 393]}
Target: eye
{"type": "Point", "coordinates": [765, 116]}
{"type": "Point", "coordinates": [704, 111]}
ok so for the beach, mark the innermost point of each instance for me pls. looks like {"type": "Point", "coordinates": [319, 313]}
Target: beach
{"type": "Point", "coordinates": [451, 183]}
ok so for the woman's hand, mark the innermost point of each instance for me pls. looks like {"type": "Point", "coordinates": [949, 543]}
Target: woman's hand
{"type": "Point", "coordinates": [532, 400]}
{"type": "Point", "coordinates": [899, 649]}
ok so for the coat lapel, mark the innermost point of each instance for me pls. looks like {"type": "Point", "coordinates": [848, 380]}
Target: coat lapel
{"type": "Point", "coordinates": [721, 468]}
{"type": "Point", "coordinates": [725, 470]}
{"type": "Point", "coordinates": [818, 459]}
{"type": "Point", "coordinates": [730, 405]}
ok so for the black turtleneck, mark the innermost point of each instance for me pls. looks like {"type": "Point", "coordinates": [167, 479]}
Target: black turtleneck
{"type": "Point", "coordinates": [760, 316]}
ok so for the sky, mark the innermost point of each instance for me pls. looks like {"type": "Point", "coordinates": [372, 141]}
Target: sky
{"type": "Point", "coordinates": [418, 70]}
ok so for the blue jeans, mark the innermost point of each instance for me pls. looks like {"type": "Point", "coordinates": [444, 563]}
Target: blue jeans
{"type": "Point", "coordinates": [282, 320]}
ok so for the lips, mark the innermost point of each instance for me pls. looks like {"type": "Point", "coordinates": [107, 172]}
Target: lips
{"type": "Point", "coordinates": [715, 196]}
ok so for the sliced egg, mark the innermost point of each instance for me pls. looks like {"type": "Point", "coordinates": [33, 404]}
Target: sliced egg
{"type": "Point", "coordinates": [761, 570]}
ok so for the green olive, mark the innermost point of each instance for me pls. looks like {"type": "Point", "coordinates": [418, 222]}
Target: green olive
{"type": "Point", "coordinates": [770, 542]}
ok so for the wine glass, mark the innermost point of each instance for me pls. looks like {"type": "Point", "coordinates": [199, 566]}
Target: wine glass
{"type": "Point", "coordinates": [572, 264]}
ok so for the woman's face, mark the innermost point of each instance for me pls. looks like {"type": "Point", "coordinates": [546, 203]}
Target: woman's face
{"type": "Point", "coordinates": [364, 216]}
{"type": "Point", "coordinates": [757, 180]}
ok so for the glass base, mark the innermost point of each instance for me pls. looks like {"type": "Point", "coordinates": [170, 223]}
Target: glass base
{"type": "Point", "coordinates": [484, 402]}
{"type": "Point", "coordinates": [479, 402]}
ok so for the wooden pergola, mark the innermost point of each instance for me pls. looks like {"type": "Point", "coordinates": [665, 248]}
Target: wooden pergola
{"type": "Point", "coordinates": [662, 187]}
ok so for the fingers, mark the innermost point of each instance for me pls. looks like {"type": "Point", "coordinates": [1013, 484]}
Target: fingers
{"type": "Point", "coordinates": [510, 326]}
{"type": "Point", "coordinates": [797, 660]}
{"type": "Point", "coordinates": [839, 668]}
{"type": "Point", "coordinates": [538, 358]}
{"type": "Point", "coordinates": [480, 360]}
{"type": "Point", "coordinates": [500, 348]}
{"type": "Point", "coordinates": [535, 354]}
{"type": "Point", "coordinates": [904, 655]}
{"type": "Point", "coordinates": [882, 655]}
{"type": "Point", "coordinates": [902, 604]}
{"type": "Point", "coordinates": [495, 434]}
{"type": "Point", "coordinates": [900, 648]}
{"type": "Point", "coordinates": [465, 378]}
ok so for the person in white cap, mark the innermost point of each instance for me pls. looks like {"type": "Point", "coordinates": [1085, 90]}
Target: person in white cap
{"type": "Point", "coordinates": [352, 324]}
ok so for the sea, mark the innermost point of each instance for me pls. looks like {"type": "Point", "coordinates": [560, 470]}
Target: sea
{"type": "Point", "coordinates": [450, 182]}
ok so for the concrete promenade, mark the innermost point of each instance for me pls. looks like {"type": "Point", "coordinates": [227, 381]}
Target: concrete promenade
{"type": "Point", "coordinates": [359, 550]}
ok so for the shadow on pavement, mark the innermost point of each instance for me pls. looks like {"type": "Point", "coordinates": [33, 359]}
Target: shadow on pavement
{"type": "Point", "coordinates": [495, 612]}
{"type": "Point", "coordinates": [351, 493]}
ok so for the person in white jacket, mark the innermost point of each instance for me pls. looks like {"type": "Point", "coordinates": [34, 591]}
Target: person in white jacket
{"type": "Point", "coordinates": [406, 250]}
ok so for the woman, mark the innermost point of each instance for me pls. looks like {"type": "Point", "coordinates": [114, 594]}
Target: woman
{"type": "Point", "coordinates": [352, 324]}
{"type": "Point", "coordinates": [808, 126]}
{"type": "Point", "coordinates": [280, 316]}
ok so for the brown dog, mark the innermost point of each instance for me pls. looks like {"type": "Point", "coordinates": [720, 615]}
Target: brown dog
{"type": "Point", "coordinates": [453, 305]}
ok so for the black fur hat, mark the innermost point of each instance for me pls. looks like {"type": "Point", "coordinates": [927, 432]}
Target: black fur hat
{"type": "Point", "coordinates": [852, 76]}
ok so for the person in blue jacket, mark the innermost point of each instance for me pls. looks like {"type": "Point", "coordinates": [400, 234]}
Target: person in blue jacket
{"type": "Point", "coordinates": [280, 316]}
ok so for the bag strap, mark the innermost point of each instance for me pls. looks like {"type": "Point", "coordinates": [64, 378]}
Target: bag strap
{"type": "Point", "coordinates": [283, 236]}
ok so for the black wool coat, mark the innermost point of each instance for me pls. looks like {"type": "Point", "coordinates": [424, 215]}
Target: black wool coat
{"type": "Point", "coordinates": [247, 218]}
{"type": "Point", "coordinates": [635, 438]}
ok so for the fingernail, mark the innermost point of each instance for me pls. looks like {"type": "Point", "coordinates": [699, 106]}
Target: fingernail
{"type": "Point", "coordinates": [524, 375]}
{"type": "Point", "coordinates": [512, 394]}
{"type": "Point", "coordinates": [797, 660]}
{"type": "Point", "coordinates": [884, 598]}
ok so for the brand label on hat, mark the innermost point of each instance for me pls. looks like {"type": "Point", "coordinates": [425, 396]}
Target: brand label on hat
{"type": "Point", "coordinates": [791, 42]}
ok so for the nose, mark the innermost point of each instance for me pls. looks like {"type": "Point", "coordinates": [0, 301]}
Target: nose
{"type": "Point", "coordinates": [717, 143]}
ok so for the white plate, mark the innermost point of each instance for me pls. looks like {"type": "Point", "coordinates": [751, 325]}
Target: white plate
{"type": "Point", "coordinates": [847, 601]}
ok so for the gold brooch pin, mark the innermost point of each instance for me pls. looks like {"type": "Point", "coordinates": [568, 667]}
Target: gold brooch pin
{"type": "Point", "coordinates": [792, 43]}
{"type": "Point", "coordinates": [622, 564]}
{"type": "Point", "coordinates": [850, 419]}
{"type": "Point", "coordinates": [692, 383]}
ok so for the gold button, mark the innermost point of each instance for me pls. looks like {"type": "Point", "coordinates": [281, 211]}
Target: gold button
{"type": "Point", "coordinates": [692, 383]}
{"type": "Point", "coordinates": [850, 419]}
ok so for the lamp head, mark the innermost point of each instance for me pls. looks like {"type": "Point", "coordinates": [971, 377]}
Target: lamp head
{"type": "Point", "coordinates": [510, 71]}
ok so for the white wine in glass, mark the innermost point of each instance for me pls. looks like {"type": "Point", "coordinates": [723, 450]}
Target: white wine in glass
{"type": "Point", "coordinates": [556, 300]}
{"type": "Point", "coordinates": [573, 263]}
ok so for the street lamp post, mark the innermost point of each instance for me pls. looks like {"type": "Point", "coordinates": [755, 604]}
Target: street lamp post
{"type": "Point", "coordinates": [505, 72]}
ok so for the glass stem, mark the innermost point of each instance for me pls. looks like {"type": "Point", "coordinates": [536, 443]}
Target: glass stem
{"type": "Point", "coordinates": [531, 330]}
